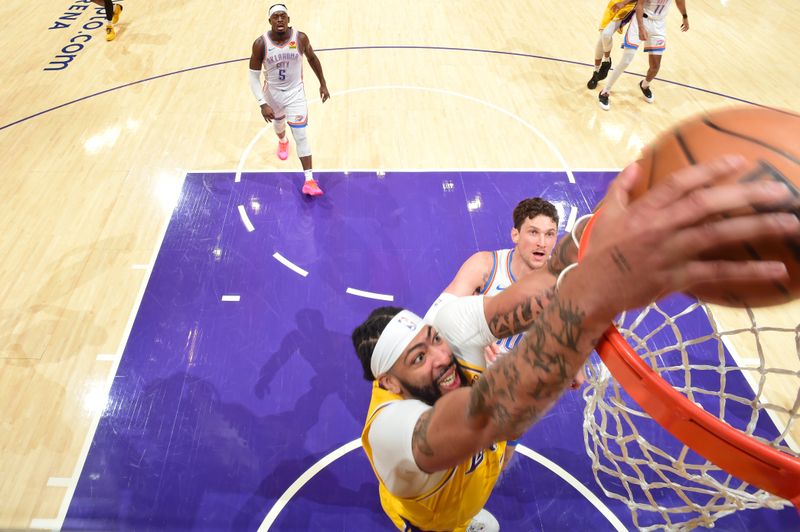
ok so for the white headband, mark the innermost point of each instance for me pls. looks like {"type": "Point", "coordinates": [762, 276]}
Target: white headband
{"type": "Point", "coordinates": [394, 340]}
{"type": "Point", "coordinates": [278, 8]}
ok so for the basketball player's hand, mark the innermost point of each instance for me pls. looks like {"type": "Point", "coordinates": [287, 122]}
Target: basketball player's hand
{"type": "Point", "coordinates": [685, 25]}
{"type": "Point", "coordinates": [267, 113]}
{"type": "Point", "coordinates": [642, 34]}
{"type": "Point", "coordinates": [323, 93]}
{"type": "Point", "coordinates": [644, 249]}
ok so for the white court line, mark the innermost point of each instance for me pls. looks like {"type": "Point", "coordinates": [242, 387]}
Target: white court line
{"type": "Point", "coordinates": [328, 459]}
{"type": "Point", "coordinates": [59, 482]}
{"type": "Point", "coordinates": [575, 483]}
{"type": "Point", "coordinates": [246, 219]}
{"type": "Point", "coordinates": [307, 475]}
{"type": "Point", "coordinates": [573, 215]}
{"type": "Point", "coordinates": [370, 295]}
{"type": "Point", "coordinates": [107, 357]}
{"type": "Point", "coordinates": [46, 524]}
{"type": "Point", "coordinates": [406, 169]}
{"type": "Point", "coordinates": [289, 264]}
{"type": "Point", "coordinates": [246, 153]}
{"type": "Point", "coordinates": [231, 297]}
{"type": "Point", "coordinates": [58, 522]}
{"type": "Point", "coordinates": [513, 116]}
{"type": "Point", "coordinates": [140, 266]}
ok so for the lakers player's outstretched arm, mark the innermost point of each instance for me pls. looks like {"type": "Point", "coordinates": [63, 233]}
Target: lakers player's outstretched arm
{"type": "Point", "coordinates": [639, 252]}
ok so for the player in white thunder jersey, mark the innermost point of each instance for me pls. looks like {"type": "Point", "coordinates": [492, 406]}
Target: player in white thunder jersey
{"type": "Point", "coordinates": [279, 52]}
{"type": "Point", "coordinates": [490, 272]}
{"type": "Point", "coordinates": [469, 313]}
{"type": "Point", "coordinates": [648, 27]}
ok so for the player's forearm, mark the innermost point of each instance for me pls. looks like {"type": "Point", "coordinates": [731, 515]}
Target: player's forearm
{"type": "Point", "coordinates": [521, 386]}
{"type": "Point", "coordinates": [316, 66]}
{"type": "Point", "coordinates": [516, 308]}
{"type": "Point", "coordinates": [682, 7]}
{"type": "Point", "coordinates": [516, 390]}
{"type": "Point", "coordinates": [639, 10]}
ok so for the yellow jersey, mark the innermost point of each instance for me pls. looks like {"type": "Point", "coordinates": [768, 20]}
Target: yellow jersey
{"type": "Point", "coordinates": [457, 498]}
{"type": "Point", "coordinates": [622, 14]}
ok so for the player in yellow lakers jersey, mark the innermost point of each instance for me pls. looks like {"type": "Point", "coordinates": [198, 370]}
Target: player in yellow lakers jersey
{"type": "Point", "coordinates": [617, 14]}
{"type": "Point", "coordinates": [436, 444]}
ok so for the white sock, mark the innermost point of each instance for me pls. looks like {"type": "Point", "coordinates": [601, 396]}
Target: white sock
{"type": "Point", "coordinates": [309, 175]}
{"type": "Point", "coordinates": [645, 84]}
{"type": "Point", "coordinates": [283, 140]}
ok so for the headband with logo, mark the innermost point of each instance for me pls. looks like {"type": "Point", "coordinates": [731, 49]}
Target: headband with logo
{"type": "Point", "coordinates": [394, 340]}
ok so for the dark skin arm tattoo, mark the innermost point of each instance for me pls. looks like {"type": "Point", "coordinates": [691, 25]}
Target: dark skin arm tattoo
{"type": "Point", "coordinates": [620, 260]}
{"type": "Point", "coordinates": [420, 435]}
{"type": "Point", "coordinates": [524, 383]}
{"type": "Point", "coordinates": [521, 316]}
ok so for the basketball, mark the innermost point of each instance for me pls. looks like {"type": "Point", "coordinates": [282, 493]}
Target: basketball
{"type": "Point", "coordinates": [770, 142]}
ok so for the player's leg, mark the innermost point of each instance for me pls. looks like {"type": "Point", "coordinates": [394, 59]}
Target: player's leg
{"type": "Point", "coordinates": [279, 125]}
{"type": "Point", "coordinates": [111, 17]}
{"type": "Point", "coordinates": [277, 102]}
{"type": "Point", "coordinates": [644, 85]}
{"type": "Point", "coordinates": [598, 56]}
{"type": "Point", "coordinates": [117, 13]}
{"type": "Point", "coordinates": [629, 44]}
{"type": "Point", "coordinates": [655, 46]}
{"type": "Point", "coordinates": [297, 118]}
{"type": "Point", "coordinates": [602, 53]}
{"type": "Point", "coordinates": [607, 38]}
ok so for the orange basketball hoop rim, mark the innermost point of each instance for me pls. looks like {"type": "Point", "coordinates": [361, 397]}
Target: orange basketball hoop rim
{"type": "Point", "coordinates": [733, 451]}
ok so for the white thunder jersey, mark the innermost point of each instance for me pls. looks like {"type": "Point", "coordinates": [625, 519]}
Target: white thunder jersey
{"type": "Point", "coordinates": [501, 278]}
{"type": "Point", "coordinates": [656, 9]}
{"type": "Point", "coordinates": [283, 64]}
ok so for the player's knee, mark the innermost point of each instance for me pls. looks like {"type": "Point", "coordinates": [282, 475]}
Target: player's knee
{"type": "Point", "coordinates": [627, 58]}
{"type": "Point", "coordinates": [607, 37]}
{"type": "Point", "coordinates": [279, 126]}
{"type": "Point", "coordinates": [301, 140]}
{"type": "Point", "coordinates": [599, 49]}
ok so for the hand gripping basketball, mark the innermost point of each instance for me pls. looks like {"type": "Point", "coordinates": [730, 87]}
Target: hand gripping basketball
{"type": "Point", "coordinates": [769, 142]}
{"type": "Point", "coordinates": [637, 251]}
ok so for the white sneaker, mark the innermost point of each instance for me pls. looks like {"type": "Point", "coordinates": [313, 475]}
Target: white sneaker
{"type": "Point", "coordinates": [483, 522]}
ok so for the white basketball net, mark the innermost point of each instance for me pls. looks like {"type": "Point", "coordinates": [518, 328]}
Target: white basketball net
{"type": "Point", "coordinates": [727, 366]}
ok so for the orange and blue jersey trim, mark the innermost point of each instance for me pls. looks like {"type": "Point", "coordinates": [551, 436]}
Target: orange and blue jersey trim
{"type": "Point", "coordinates": [492, 274]}
{"type": "Point", "coordinates": [626, 43]}
{"type": "Point", "coordinates": [508, 266]}
{"type": "Point", "coordinates": [304, 123]}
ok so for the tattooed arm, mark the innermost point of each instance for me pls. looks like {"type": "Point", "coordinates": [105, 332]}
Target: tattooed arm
{"type": "Point", "coordinates": [515, 309]}
{"type": "Point", "coordinates": [519, 387]}
{"type": "Point", "coordinates": [639, 252]}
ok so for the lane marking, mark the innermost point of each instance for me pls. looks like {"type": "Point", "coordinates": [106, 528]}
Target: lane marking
{"type": "Point", "coordinates": [370, 295]}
